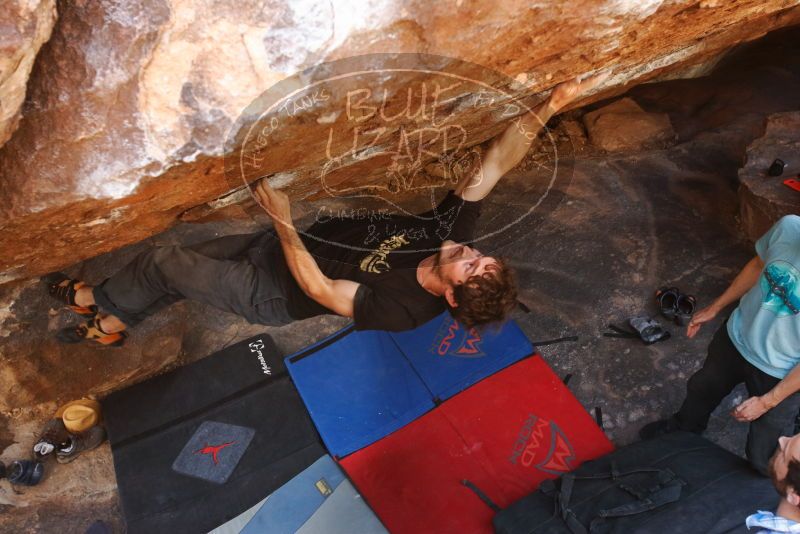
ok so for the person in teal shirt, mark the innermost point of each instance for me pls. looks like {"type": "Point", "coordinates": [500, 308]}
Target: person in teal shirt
{"type": "Point", "coordinates": [759, 345]}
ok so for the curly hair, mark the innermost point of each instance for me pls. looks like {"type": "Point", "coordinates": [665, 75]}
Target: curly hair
{"type": "Point", "coordinates": [792, 479]}
{"type": "Point", "coordinates": [486, 298]}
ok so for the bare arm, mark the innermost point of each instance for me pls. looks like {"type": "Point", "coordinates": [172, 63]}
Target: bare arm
{"type": "Point", "coordinates": [336, 295]}
{"type": "Point", "coordinates": [505, 152]}
{"type": "Point", "coordinates": [745, 280]}
{"type": "Point", "coordinates": [789, 385]}
{"type": "Point", "coordinates": [508, 148]}
{"type": "Point", "coordinates": [754, 407]}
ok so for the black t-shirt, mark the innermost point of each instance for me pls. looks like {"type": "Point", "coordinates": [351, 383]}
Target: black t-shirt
{"type": "Point", "coordinates": [381, 252]}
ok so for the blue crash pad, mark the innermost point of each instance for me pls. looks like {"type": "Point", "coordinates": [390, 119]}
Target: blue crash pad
{"type": "Point", "coordinates": [320, 500]}
{"type": "Point", "coordinates": [450, 358]}
{"type": "Point", "coordinates": [360, 386]}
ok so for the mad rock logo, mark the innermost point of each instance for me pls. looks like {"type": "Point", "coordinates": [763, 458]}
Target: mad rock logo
{"type": "Point", "coordinates": [542, 445]}
{"type": "Point", "coordinates": [375, 136]}
{"type": "Point", "coordinates": [454, 340]}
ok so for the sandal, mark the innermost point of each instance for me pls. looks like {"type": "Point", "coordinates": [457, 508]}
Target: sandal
{"type": "Point", "coordinates": [667, 300]}
{"type": "Point", "coordinates": [684, 309]}
{"type": "Point", "coordinates": [63, 288]}
{"type": "Point", "coordinates": [91, 330]}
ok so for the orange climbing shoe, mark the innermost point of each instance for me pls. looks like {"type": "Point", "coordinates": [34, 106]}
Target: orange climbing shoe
{"type": "Point", "coordinates": [90, 330]}
{"type": "Point", "coordinates": [63, 288]}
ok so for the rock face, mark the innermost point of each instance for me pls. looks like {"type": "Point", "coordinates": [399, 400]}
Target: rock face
{"type": "Point", "coordinates": [131, 101]}
{"type": "Point", "coordinates": [25, 25]}
{"type": "Point", "coordinates": [624, 126]}
{"type": "Point", "coordinates": [764, 199]}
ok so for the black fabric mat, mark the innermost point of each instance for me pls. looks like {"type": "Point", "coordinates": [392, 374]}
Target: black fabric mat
{"type": "Point", "coordinates": [197, 446]}
{"type": "Point", "coordinates": [718, 491]}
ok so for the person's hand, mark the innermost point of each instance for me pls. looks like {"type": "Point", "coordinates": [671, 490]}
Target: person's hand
{"type": "Point", "coordinates": [700, 318]}
{"type": "Point", "coordinates": [275, 203]}
{"type": "Point", "coordinates": [567, 92]}
{"type": "Point", "coordinates": [751, 409]}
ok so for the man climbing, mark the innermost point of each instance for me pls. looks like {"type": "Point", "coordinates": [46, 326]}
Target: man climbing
{"type": "Point", "coordinates": [784, 470]}
{"type": "Point", "coordinates": [759, 344]}
{"type": "Point", "coordinates": [392, 276]}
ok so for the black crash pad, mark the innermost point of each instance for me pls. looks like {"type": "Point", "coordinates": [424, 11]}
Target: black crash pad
{"type": "Point", "coordinates": [195, 447]}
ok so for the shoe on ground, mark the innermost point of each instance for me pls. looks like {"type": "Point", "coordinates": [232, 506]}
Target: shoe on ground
{"type": "Point", "coordinates": [63, 289]}
{"type": "Point", "coordinates": [79, 443]}
{"type": "Point", "coordinates": [54, 434]}
{"type": "Point", "coordinates": [25, 472]}
{"type": "Point", "coordinates": [659, 428]}
{"type": "Point", "coordinates": [91, 331]}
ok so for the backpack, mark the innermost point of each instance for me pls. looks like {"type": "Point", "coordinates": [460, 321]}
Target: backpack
{"type": "Point", "coordinates": [678, 483]}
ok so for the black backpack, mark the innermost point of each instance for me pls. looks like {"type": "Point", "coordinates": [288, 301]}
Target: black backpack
{"type": "Point", "coordinates": [679, 483]}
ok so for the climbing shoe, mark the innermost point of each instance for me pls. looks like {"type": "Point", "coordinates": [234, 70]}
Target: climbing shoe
{"type": "Point", "coordinates": [25, 472]}
{"type": "Point", "coordinates": [54, 434]}
{"type": "Point", "coordinates": [63, 289]}
{"type": "Point", "coordinates": [90, 330]}
{"type": "Point", "coordinates": [78, 443]}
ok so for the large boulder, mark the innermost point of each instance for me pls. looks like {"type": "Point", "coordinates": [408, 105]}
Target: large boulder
{"type": "Point", "coordinates": [131, 101]}
{"type": "Point", "coordinates": [623, 126]}
{"type": "Point", "coordinates": [763, 199]}
{"type": "Point", "coordinates": [25, 25]}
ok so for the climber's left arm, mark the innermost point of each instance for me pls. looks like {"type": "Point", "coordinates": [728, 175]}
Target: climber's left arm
{"type": "Point", "coordinates": [508, 148]}
{"type": "Point", "coordinates": [505, 152]}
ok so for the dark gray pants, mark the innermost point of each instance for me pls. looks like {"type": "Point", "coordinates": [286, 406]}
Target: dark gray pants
{"type": "Point", "coordinates": [723, 370]}
{"type": "Point", "coordinates": [217, 272]}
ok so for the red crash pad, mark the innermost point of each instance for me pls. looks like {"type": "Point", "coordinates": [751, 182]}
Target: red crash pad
{"type": "Point", "coordinates": [505, 435]}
